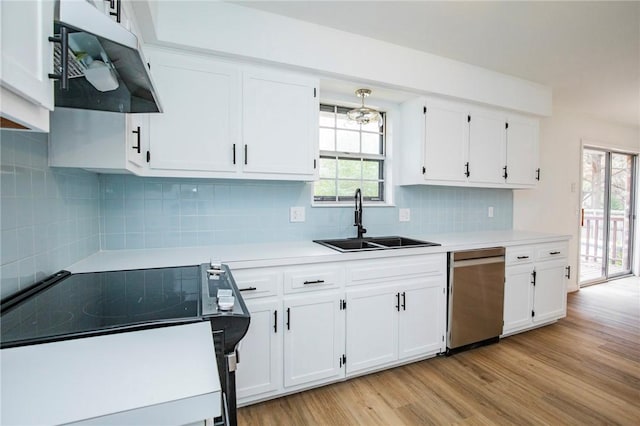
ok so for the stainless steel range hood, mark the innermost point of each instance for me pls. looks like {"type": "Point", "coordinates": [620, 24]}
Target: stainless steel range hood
{"type": "Point", "coordinates": [98, 63]}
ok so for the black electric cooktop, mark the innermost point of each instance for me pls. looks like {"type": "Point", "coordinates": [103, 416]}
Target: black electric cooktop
{"type": "Point", "coordinates": [71, 305]}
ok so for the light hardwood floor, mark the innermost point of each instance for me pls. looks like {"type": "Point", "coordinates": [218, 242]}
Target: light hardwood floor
{"type": "Point", "coordinates": [585, 369]}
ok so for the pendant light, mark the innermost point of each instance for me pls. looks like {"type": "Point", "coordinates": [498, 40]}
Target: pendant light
{"type": "Point", "coordinates": [364, 115]}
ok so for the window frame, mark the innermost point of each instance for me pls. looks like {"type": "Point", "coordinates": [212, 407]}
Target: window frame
{"type": "Point", "coordinates": [384, 160]}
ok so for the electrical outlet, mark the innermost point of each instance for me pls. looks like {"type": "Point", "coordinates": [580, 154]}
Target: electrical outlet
{"type": "Point", "coordinates": [296, 214]}
{"type": "Point", "coordinates": [490, 211]}
{"type": "Point", "coordinates": [404, 215]}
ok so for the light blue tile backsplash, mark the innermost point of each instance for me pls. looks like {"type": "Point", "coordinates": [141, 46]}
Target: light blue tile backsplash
{"type": "Point", "coordinates": [49, 218]}
{"type": "Point", "coordinates": [53, 217]}
{"type": "Point", "coordinates": [161, 212]}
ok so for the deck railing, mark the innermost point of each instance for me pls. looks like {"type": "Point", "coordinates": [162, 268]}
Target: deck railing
{"type": "Point", "coordinates": [591, 240]}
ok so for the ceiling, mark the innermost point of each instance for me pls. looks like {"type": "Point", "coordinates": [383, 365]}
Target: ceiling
{"type": "Point", "coordinates": [587, 52]}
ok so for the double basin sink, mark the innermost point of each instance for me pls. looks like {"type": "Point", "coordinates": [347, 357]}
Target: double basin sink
{"type": "Point", "coordinates": [373, 243]}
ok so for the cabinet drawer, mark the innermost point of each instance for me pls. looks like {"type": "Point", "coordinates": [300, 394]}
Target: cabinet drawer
{"type": "Point", "coordinates": [368, 271]}
{"type": "Point", "coordinates": [311, 279]}
{"type": "Point", "coordinates": [255, 283]}
{"type": "Point", "coordinates": [519, 255]}
{"type": "Point", "coordinates": [551, 251]}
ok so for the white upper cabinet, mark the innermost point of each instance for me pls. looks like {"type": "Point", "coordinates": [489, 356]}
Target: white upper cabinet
{"type": "Point", "coordinates": [522, 151]}
{"type": "Point", "coordinates": [486, 147]}
{"type": "Point", "coordinates": [27, 60]}
{"type": "Point", "coordinates": [280, 123]}
{"type": "Point", "coordinates": [464, 145]}
{"type": "Point", "coordinates": [446, 141]}
{"type": "Point", "coordinates": [102, 141]}
{"type": "Point", "coordinates": [200, 125]}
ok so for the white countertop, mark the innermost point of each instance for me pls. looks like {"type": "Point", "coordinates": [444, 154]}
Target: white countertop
{"type": "Point", "coordinates": [297, 252]}
{"type": "Point", "coordinates": [160, 376]}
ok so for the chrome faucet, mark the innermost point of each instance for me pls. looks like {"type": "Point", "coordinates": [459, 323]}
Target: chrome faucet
{"type": "Point", "coordinates": [358, 214]}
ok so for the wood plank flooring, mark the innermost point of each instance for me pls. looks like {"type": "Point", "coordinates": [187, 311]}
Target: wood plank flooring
{"type": "Point", "coordinates": [583, 370]}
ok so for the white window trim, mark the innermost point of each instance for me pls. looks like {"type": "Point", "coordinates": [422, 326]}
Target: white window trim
{"type": "Point", "coordinates": [391, 115]}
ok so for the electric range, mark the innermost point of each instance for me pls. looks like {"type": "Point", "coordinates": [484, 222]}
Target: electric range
{"type": "Point", "coordinates": [70, 306]}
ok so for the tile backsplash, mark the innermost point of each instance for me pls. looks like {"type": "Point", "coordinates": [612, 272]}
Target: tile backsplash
{"type": "Point", "coordinates": [49, 218]}
{"type": "Point", "coordinates": [53, 217]}
{"type": "Point", "coordinates": [162, 212]}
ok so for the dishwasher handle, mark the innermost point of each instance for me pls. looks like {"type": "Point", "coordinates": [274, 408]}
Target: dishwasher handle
{"type": "Point", "coordinates": [479, 261]}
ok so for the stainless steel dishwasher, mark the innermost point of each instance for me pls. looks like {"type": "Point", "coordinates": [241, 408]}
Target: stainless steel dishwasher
{"type": "Point", "coordinates": [476, 298]}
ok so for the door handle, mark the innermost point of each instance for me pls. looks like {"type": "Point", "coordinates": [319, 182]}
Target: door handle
{"type": "Point", "coordinates": [275, 321]}
{"type": "Point", "coordinates": [288, 318]}
{"type": "Point", "coordinates": [137, 132]}
{"type": "Point", "coordinates": [581, 217]}
{"type": "Point", "coordinates": [398, 302]}
{"type": "Point", "coordinates": [404, 301]}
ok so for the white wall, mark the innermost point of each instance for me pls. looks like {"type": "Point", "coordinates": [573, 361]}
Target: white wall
{"type": "Point", "coordinates": [241, 32]}
{"type": "Point", "coordinates": [553, 206]}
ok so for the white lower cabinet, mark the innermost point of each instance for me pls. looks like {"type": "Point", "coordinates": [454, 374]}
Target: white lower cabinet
{"type": "Point", "coordinates": [259, 371]}
{"type": "Point", "coordinates": [390, 323]}
{"type": "Point", "coordinates": [535, 290]}
{"type": "Point", "coordinates": [313, 338]}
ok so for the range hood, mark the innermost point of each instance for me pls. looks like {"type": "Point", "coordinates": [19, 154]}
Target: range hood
{"type": "Point", "coordinates": [98, 63]}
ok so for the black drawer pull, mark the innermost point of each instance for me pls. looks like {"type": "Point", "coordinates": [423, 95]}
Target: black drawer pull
{"type": "Point", "coordinates": [313, 282]}
{"type": "Point", "coordinates": [554, 252]}
{"type": "Point", "coordinates": [523, 257]}
{"type": "Point", "coordinates": [275, 321]}
{"type": "Point", "coordinates": [248, 289]}
{"type": "Point", "coordinates": [137, 132]}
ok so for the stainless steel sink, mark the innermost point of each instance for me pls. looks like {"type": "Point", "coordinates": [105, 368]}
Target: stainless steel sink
{"type": "Point", "coordinates": [373, 243]}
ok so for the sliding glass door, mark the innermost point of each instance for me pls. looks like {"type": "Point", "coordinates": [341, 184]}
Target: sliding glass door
{"type": "Point", "coordinates": [606, 219]}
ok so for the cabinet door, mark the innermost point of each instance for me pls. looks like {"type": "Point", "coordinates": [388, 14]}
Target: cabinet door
{"type": "Point", "coordinates": [27, 54]}
{"type": "Point", "coordinates": [550, 294]}
{"type": "Point", "coordinates": [260, 352]}
{"type": "Point", "coordinates": [279, 123]}
{"type": "Point", "coordinates": [446, 142]}
{"type": "Point", "coordinates": [421, 320]}
{"type": "Point", "coordinates": [486, 147]}
{"type": "Point", "coordinates": [522, 151]}
{"type": "Point", "coordinates": [313, 339]}
{"type": "Point", "coordinates": [137, 139]}
{"type": "Point", "coordinates": [199, 127]}
{"type": "Point", "coordinates": [518, 297]}
{"type": "Point", "coordinates": [372, 327]}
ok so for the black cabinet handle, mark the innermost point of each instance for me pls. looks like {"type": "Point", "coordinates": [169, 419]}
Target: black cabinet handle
{"type": "Point", "coordinates": [404, 301]}
{"type": "Point", "coordinates": [523, 257]}
{"type": "Point", "coordinates": [313, 282]}
{"type": "Point", "coordinates": [398, 302]}
{"type": "Point", "coordinates": [533, 278]}
{"type": "Point", "coordinates": [63, 75]}
{"type": "Point", "coordinates": [245, 153]}
{"type": "Point", "coordinates": [288, 318]}
{"type": "Point", "coordinates": [137, 132]}
{"type": "Point", "coordinates": [275, 321]}
{"type": "Point", "coordinates": [467, 173]}
{"type": "Point", "coordinates": [340, 362]}
{"type": "Point", "coordinates": [505, 175]}
{"type": "Point", "coordinates": [554, 252]}
{"type": "Point", "coordinates": [248, 289]}
{"type": "Point", "coordinates": [538, 173]}
{"type": "Point", "coordinates": [568, 268]}
{"type": "Point", "coordinates": [118, 7]}
{"type": "Point", "coordinates": [234, 153]}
